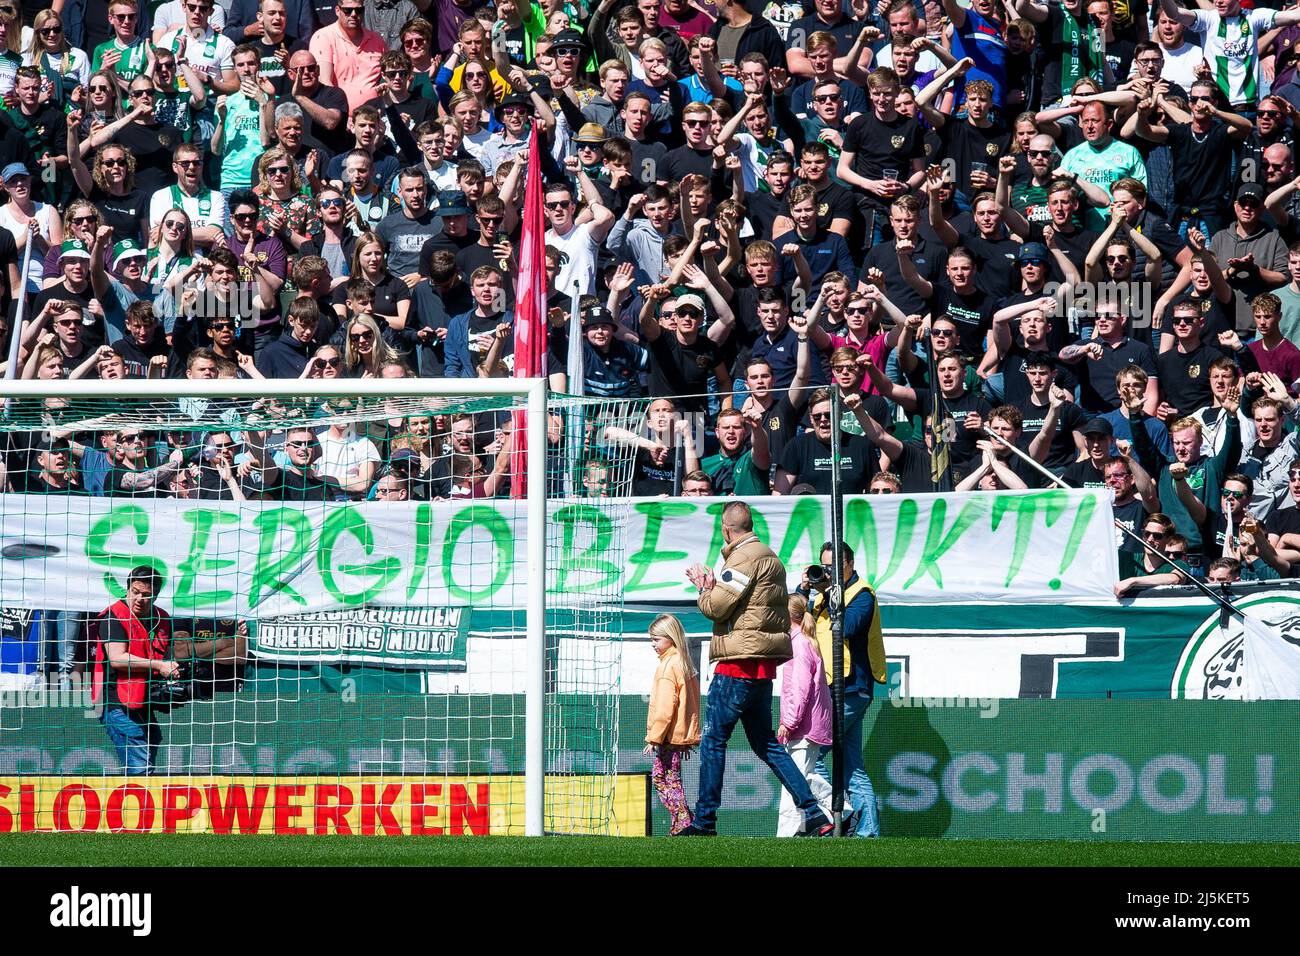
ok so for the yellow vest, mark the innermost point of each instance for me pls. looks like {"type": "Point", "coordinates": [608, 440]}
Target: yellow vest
{"type": "Point", "coordinates": [875, 637]}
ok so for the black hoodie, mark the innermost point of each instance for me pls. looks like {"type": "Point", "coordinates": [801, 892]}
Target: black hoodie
{"type": "Point", "coordinates": [286, 357]}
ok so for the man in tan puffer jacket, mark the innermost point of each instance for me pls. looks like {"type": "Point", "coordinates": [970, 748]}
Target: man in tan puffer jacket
{"type": "Point", "coordinates": [746, 602]}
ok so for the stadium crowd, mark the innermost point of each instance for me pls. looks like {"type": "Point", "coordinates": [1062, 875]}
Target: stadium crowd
{"type": "Point", "coordinates": [1077, 225]}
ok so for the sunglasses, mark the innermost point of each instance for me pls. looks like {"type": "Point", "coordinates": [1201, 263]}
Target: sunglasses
{"type": "Point", "coordinates": [189, 163]}
{"type": "Point", "coordinates": [845, 367]}
{"type": "Point", "coordinates": [397, 74]}
{"type": "Point", "coordinates": [1271, 114]}
{"type": "Point", "coordinates": [68, 323]}
{"type": "Point", "coordinates": [122, 17]}
{"type": "Point", "coordinates": [1176, 554]}
{"type": "Point", "coordinates": [332, 362]}
{"type": "Point", "coordinates": [222, 326]}
{"type": "Point", "coordinates": [110, 164]}
{"type": "Point", "coordinates": [1234, 495]}
{"type": "Point", "coordinates": [328, 203]}
{"type": "Point", "coordinates": [299, 444]}
{"type": "Point", "coordinates": [820, 417]}
{"type": "Point", "coordinates": [698, 122]}
{"type": "Point", "coordinates": [243, 216]}
{"type": "Point", "coordinates": [100, 88]}
{"type": "Point", "coordinates": [944, 333]}
{"type": "Point", "coordinates": [1038, 152]}
{"type": "Point", "coordinates": [827, 98]}
{"type": "Point", "coordinates": [560, 205]}
{"type": "Point", "coordinates": [223, 445]}
{"type": "Point", "coordinates": [142, 92]}
{"type": "Point", "coordinates": [1155, 532]}
{"type": "Point", "coordinates": [1201, 99]}
{"type": "Point", "coordinates": [277, 170]}
{"type": "Point", "coordinates": [351, 11]}
{"type": "Point", "coordinates": [174, 224]}
{"type": "Point", "coordinates": [50, 31]}
{"type": "Point", "coordinates": [1032, 262]}
{"type": "Point", "coordinates": [415, 41]}
{"type": "Point", "coordinates": [1183, 320]}
{"type": "Point", "coordinates": [857, 309]}
{"type": "Point", "coordinates": [84, 220]}
{"type": "Point", "coordinates": [880, 491]}
{"type": "Point", "coordinates": [165, 64]}
{"type": "Point", "coordinates": [361, 336]}
{"type": "Point", "coordinates": [490, 220]}
{"type": "Point", "coordinates": [131, 439]}
{"type": "Point", "coordinates": [198, 7]}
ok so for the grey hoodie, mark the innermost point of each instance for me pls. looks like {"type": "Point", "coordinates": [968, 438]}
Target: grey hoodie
{"type": "Point", "coordinates": [639, 243]}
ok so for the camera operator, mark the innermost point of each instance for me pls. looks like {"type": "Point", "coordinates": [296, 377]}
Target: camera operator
{"type": "Point", "coordinates": [133, 646]}
{"type": "Point", "coordinates": [864, 666]}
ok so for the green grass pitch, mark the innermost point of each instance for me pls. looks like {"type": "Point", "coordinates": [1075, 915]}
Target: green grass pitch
{"type": "Point", "coordinates": [81, 850]}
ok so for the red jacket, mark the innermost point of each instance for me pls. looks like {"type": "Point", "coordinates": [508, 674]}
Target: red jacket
{"type": "Point", "coordinates": [133, 691]}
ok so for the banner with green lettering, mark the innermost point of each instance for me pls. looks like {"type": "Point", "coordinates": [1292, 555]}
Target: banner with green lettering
{"type": "Point", "coordinates": [268, 559]}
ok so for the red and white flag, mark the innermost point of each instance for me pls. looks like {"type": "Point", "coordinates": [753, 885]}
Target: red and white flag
{"type": "Point", "coordinates": [530, 310]}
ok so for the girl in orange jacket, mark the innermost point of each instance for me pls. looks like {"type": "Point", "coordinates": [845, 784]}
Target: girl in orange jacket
{"type": "Point", "coordinates": [673, 723]}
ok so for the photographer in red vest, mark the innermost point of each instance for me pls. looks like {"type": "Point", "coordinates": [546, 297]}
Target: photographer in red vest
{"type": "Point", "coordinates": [131, 653]}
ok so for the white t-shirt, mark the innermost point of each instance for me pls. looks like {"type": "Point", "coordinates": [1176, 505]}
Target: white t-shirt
{"type": "Point", "coordinates": [170, 17]}
{"type": "Point", "coordinates": [474, 143]}
{"type": "Point", "coordinates": [342, 458]}
{"type": "Point", "coordinates": [163, 200]}
{"type": "Point", "coordinates": [44, 216]}
{"type": "Point", "coordinates": [1232, 50]}
{"type": "Point", "coordinates": [210, 55]}
{"type": "Point", "coordinates": [581, 250]}
{"type": "Point", "coordinates": [1180, 65]}
{"type": "Point", "coordinates": [927, 62]}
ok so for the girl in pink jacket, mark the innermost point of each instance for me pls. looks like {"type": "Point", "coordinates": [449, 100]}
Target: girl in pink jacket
{"type": "Point", "coordinates": [805, 715]}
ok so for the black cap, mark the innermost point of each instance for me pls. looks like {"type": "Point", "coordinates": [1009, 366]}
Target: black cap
{"type": "Point", "coordinates": [1251, 191]}
{"type": "Point", "coordinates": [1099, 426]}
{"type": "Point", "coordinates": [49, 444]}
{"type": "Point", "coordinates": [597, 315]}
{"type": "Point", "coordinates": [514, 99]}
{"type": "Point", "coordinates": [568, 39]}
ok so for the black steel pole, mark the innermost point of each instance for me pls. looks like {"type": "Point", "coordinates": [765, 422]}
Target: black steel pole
{"type": "Point", "coordinates": [836, 608]}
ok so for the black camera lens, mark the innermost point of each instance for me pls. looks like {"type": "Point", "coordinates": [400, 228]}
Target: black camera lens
{"type": "Point", "coordinates": [818, 574]}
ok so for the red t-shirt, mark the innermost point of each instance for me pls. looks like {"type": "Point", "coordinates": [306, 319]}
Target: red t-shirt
{"type": "Point", "coordinates": [749, 670]}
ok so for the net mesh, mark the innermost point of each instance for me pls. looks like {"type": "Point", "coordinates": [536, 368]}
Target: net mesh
{"type": "Point", "coordinates": [346, 582]}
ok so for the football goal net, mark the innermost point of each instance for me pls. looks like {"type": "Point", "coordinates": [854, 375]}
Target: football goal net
{"type": "Point", "coordinates": [345, 606]}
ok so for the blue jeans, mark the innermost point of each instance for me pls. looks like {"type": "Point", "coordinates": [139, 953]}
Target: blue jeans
{"type": "Point", "coordinates": [136, 741]}
{"type": "Point", "coordinates": [64, 629]}
{"type": "Point", "coordinates": [861, 795]}
{"type": "Point", "coordinates": [749, 702]}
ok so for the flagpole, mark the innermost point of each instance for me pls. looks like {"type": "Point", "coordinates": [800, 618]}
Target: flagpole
{"type": "Point", "coordinates": [1206, 589]}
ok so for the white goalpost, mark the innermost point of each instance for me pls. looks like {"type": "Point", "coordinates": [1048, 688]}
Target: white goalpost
{"type": "Point", "coordinates": [292, 604]}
